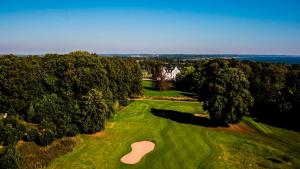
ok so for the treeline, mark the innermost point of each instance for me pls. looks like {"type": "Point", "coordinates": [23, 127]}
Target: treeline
{"type": "Point", "coordinates": [230, 89]}
{"type": "Point", "coordinates": [61, 95]}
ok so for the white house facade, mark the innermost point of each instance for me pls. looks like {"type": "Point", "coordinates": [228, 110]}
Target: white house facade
{"type": "Point", "coordinates": [170, 74]}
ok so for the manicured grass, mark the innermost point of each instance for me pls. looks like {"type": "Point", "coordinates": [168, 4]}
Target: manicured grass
{"type": "Point", "coordinates": [180, 144]}
{"type": "Point", "coordinates": [150, 91]}
{"type": "Point", "coordinates": [259, 126]}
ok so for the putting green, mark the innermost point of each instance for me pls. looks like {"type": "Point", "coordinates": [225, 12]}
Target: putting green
{"type": "Point", "coordinates": [182, 143]}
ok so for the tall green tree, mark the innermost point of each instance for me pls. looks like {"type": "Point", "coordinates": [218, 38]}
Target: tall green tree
{"type": "Point", "coordinates": [94, 111]}
{"type": "Point", "coordinates": [184, 80]}
{"type": "Point", "coordinates": [224, 91]}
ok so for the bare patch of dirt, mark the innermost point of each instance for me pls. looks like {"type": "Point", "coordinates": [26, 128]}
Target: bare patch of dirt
{"type": "Point", "coordinates": [99, 134]}
{"type": "Point", "coordinates": [239, 128]}
{"type": "Point", "coordinates": [20, 143]}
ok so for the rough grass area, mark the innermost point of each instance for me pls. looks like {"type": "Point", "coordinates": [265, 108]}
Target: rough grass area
{"type": "Point", "coordinates": [183, 141]}
{"type": "Point", "coordinates": [150, 91]}
{"type": "Point", "coordinates": [34, 156]}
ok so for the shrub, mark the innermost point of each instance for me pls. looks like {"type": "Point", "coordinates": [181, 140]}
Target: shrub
{"type": "Point", "coordinates": [162, 85]}
{"type": "Point", "coordinates": [123, 102]}
{"type": "Point", "coordinates": [116, 105]}
{"type": "Point", "coordinates": [30, 113]}
{"type": "Point", "coordinates": [47, 124]}
{"type": "Point", "coordinates": [31, 135]}
{"type": "Point", "coordinates": [11, 130]}
{"type": "Point", "coordinates": [8, 135]}
{"type": "Point", "coordinates": [73, 130]}
{"type": "Point", "coordinates": [60, 132]}
{"type": "Point", "coordinates": [45, 138]}
{"type": "Point", "coordinates": [10, 158]}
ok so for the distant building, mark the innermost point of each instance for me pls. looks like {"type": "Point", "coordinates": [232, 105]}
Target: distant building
{"type": "Point", "coordinates": [170, 73]}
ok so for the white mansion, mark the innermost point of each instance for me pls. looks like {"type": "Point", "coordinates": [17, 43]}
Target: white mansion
{"type": "Point", "coordinates": [170, 73]}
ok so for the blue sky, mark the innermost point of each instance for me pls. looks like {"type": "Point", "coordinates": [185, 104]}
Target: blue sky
{"type": "Point", "coordinates": [152, 26]}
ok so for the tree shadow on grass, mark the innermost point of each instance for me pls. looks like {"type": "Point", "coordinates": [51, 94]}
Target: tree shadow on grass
{"type": "Point", "coordinates": [187, 94]}
{"type": "Point", "coordinates": [150, 88]}
{"type": "Point", "coordinates": [186, 118]}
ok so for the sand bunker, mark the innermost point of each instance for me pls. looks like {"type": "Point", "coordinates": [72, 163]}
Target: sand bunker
{"type": "Point", "coordinates": [201, 115]}
{"type": "Point", "coordinates": [138, 151]}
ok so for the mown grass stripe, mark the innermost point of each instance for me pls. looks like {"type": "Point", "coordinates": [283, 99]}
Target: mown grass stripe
{"type": "Point", "coordinates": [179, 146]}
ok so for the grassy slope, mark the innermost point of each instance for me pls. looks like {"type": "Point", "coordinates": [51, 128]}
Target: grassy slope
{"type": "Point", "coordinates": [34, 156]}
{"type": "Point", "coordinates": [181, 145]}
{"type": "Point", "coordinates": [150, 91]}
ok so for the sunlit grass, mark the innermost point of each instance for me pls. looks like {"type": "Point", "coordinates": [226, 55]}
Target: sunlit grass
{"type": "Point", "coordinates": [150, 91]}
{"type": "Point", "coordinates": [181, 145]}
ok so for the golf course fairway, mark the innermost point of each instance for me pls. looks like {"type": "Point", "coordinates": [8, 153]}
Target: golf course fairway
{"type": "Point", "coordinates": [182, 141]}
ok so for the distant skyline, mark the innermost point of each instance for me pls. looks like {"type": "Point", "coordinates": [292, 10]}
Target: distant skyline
{"type": "Point", "coordinates": [150, 27]}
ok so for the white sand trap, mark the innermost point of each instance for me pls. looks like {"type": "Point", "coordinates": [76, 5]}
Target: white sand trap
{"type": "Point", "coordinates": [138, 151]}
{"type": "Point", "coordinates": [201, 115]}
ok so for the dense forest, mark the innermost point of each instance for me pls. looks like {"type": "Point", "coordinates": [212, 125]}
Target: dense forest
{"type": "Point", "coordinates": [49, 97]}
{"type": "Point", "coordinates": [231, 89]}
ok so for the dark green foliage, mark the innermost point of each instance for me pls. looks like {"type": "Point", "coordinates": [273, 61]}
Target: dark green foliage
{"type": "Point", "coordinates": [56, 91]}
{"type": "Point", "coordinates": [47, 124]}
{"type": "Point", "coordinates": [123, 101]}
{"type": "Point", "coordinates": [292, 91]}
{"type": "Point", "coordinates": [31, 135]}
{"type": "Point", "coordinates": [30, 113]}
{"type": "Point", "coordinates": [9, 158]}
{"type": "Point", "coordinates": [73, 129]}
{"type": "Point", "coordinates": [62, 94]}
{"type": "Point", "coordinates": [46, 137]}
{"type": "Point", "coordinates": [184, 79]}
{"type": "Point", "coordinates": [94, 112]}
{"type": "Point", "coordinates": [274, 87]}
{"type": "Point", "coordinates": [10, 131]}
{"type": "Point", "coordinates": [159, 80]}
{"type": "Point", "coordinates": [268, 80]}
{"type": "Point", "coordinates": [157, 71]}
{"type": "Point", "coordinates": [8, 135]}
{"type": "Point", "coordinates": [224, 91]}
{"type": "Point", "coordinates": [50, 105]}
{"type": "Point", "coordinates": [153, 66]}
{"type": "Point", "coordinates": [162, 84]}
